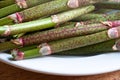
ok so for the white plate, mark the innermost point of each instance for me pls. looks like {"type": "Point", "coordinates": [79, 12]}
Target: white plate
{"type": "Point", "coordinates": [68, 65]}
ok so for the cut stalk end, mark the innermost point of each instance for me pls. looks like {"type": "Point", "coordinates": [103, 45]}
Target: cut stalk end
{"type": "Point", "coordinates": [17, 55]}
{"type": "Point", "coordinates": [113, 33]}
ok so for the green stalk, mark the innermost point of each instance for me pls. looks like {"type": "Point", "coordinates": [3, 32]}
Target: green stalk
{"type": "Point", "coordinates": [4, 3]}
{"type": "Point", "coordinates": [107, 17]}
{"type": "Point", "coordinates": [68, 31]}
{"type": "Point", "coordinates": [89, 17]}
{"type": "Point", "coordinates": [8, 46]}
{"type": "Point", "coordinates": [31, 52]}
{"type": "Point", "coordinates": [75, 42]}
{"type": "Point", "coordinates": [96, 15]}
{"type": "Point", "coordinates": [9, 10]}
{"type": "Point", "coordinates": [108, 5]}
{"type": "Point", "coordinates": [45, 23]}
{"type": "Point", "coordinates": [72, 43]}
{"type": "Point", "coordinates": [15, 8]}
{"type": "Point", "coordinates": [99, 48]}
{"type": "Point", "coordinates": [54, 7]}
{"type": "Point", "coordinates": [60, 33]}
{"type": "Point", "coordinates": [102, 11]}
{"type": "Point", "coordinates": [6, 21]}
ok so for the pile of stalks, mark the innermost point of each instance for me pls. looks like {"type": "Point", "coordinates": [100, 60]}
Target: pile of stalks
{"type": "Point", "coordinates": [37, 28]}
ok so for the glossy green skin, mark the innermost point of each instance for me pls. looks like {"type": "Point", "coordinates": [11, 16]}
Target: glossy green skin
{"type": "Point", "coordinates": [47, 22]}
{"type": "Point", "coordinates": [15, 8]}
{"type": "Point", "coordinates": [30, 26]}
{"type": "Point", "coordinates": [31, 53]}
{"type": "Point", "coordinates": [108, 5]}
{"type": "Point", "coordinates": [5, 3]}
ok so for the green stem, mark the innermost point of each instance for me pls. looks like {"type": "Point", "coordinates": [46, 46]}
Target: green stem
{"type": "Point", "coordinates": [8, 46]}
{"type": "Point", "coordinates": [108, 5]}
{"type": "Point", "coordinates": [47, 22]}
{"type": "Point", "coordinates": [96, 15]}
{"type": "Point", "coordinates": [102, 11]}
{"type": "Point", "coordinates": [55, 6]}
{"type": "Point", "coordinates": [64, 32]}
{"type": "Point", "coordinates": [27, 51]}
{"type": "Point", "coordinates": [5, 3]}
{"type": "Point", "coordinates": [15, 8]}
{"type": "Point", "coordinates": [32, 52]}
{"type": "Point", "coordinates": [6, 21]}
{"type": "Point", "coordinates": [59, 33]}
{"type": "Point", "coordinates": [99, 48]}
{"type": "Point", "coordinates": [88, 17]}
{"type": "Point", "coordinates": [72, 43]}
{"type": "Point", "coordinates": [107, 17]}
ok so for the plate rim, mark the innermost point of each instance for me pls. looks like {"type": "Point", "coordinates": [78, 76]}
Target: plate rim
{"type": "Point", "coordinates": [53, 73]}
